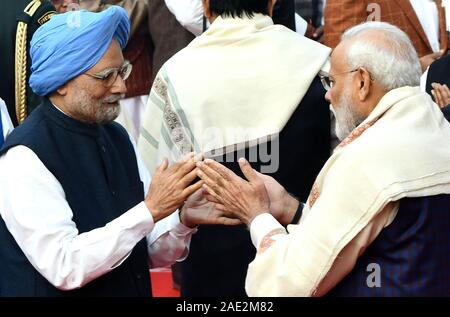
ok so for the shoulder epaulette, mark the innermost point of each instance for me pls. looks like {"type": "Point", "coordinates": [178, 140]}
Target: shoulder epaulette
{"type": "Point", "coordinates": [21, 55]}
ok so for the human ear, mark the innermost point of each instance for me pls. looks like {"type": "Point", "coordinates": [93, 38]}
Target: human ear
{"type": "Point", "coordinates": [63, 90]}
{"type": "Point", "coordinates": [364, 82]}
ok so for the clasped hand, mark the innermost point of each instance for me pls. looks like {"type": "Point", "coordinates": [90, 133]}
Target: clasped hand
{"type": "Point", "coordinates": [234, 196]}
{"type": "Point", "coordinates": [171, 186]}
{"type": "Point", "coordinates": [172, 189]}
{"type": "Point", "coordinates": [245, 199]}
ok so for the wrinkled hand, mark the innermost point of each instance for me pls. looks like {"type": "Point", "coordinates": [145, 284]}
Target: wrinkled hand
{"type": "Point", "coordinates": [427, 60]}
{"type": "Point", "coordinates": [237, 197]}
{"type": "Point", "coordinates": [441, 94]}
{"type": "Point", "coordinates": [282, 205]}
{"type": "Point", "coordinates": [170, 187]}
{"type": "Point", "coordinates": [199, 211]}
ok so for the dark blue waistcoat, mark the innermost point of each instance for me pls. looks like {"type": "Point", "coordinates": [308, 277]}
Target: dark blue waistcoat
{"type": "Point", "coordinates": [96, 166]}
{"type": "Point", "coordinates": [410, 257]}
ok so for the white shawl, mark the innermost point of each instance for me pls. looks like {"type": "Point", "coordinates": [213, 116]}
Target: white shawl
{"type": "Point", "coordinates": [239, 81]}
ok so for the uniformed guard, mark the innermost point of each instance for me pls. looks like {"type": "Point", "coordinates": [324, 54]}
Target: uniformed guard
{"type": "Point", "coordinates": [19, 19]}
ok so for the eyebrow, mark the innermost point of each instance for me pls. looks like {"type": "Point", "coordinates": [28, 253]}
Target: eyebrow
{"type": "Point", "coordinates": [108, 69]}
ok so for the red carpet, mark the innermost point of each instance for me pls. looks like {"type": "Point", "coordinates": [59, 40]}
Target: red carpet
{"type": "Point", "coordinates": [162, 283]}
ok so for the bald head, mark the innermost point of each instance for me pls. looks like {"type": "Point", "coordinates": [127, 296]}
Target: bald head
{"type": "Point", "coordinates": [385, 51]}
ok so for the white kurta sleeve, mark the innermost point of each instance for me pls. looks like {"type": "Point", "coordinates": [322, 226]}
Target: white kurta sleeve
{"type": "Point", "coordinates": [169, 240]}
{"type": "Point", "coordinates": [276, 270]}
{"type": "Point", "coordinates": [36, 213]}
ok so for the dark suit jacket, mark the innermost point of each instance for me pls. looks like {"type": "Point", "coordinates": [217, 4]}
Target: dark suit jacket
{"type": "Point", "coordinates": [284, 13]}
{"type": "Point", "coordinates": [219, 256]}
{"type": "Point", "coordinates": [343, 14]}
{"type": "Point", "coordinates": [439, 72]}
{"type": "Point", "coordinates": [167, 34]}
{"type": "Point", "coordinates": [446, 112]}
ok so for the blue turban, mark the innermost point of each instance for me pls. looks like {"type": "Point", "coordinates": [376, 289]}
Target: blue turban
{"type": "Point", "coordinates": [72, 43]}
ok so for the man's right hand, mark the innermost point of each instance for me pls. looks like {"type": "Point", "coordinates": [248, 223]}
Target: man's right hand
{"type": "Point", "coordinates": [171, 186]}
{"type": "Point", "coordinates": [282, 205]}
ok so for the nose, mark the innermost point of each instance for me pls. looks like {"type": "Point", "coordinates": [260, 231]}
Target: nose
{"type": "Point", "coordinates": [119, 86]}
{"type": "Point", "coordinates": [328, 96]}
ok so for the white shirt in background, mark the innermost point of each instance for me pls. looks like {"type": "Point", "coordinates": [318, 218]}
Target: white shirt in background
{"type": "Point", "coordinates": [427, 13]}
{"type": "Point", "coordinates": [446, 5]}
{"type": "Point", "coordinates": [6, 120]}
{"type": "Point", "coordinates": [300, 24]}
{"type": "Point", "coordinates": [189, 13]}
{"type": "Point", "coordinates": [423, 80]}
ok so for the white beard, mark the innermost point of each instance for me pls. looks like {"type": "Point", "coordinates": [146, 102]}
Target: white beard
{"type": "Point", "coordinates": [94, 111]}
{"type": "Point", "coordinates": [346, 120]}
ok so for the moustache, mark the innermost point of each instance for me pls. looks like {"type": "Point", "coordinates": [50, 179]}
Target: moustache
{"type": "Point", "coordinates": [114, 98]}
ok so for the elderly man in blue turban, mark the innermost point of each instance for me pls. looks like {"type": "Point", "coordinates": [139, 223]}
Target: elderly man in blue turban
{"type": "Point", "coordinates": [79, 216]}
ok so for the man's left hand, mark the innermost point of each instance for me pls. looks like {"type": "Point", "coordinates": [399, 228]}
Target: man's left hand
{"type": "Point", "coordinates": [441, 94]}
{"type": "Point", "coordinates": [199, 211]}
{"type": "Point", "coordinates": [237, 197]}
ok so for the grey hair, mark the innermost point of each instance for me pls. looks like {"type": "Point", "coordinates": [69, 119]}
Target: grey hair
{"type": "Point", "coordinates": [392, 62]}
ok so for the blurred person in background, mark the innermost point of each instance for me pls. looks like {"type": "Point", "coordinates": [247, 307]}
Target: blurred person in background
{"type": "Point", "coordinates": [424, 21]}
{"type": "Point", "coordinates": [155, 37]}
{"type": "Point", "coordinates": [63, 6]}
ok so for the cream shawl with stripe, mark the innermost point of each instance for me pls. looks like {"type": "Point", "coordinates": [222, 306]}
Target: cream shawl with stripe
{"type": "Point", "coordinates": [240, 81]}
